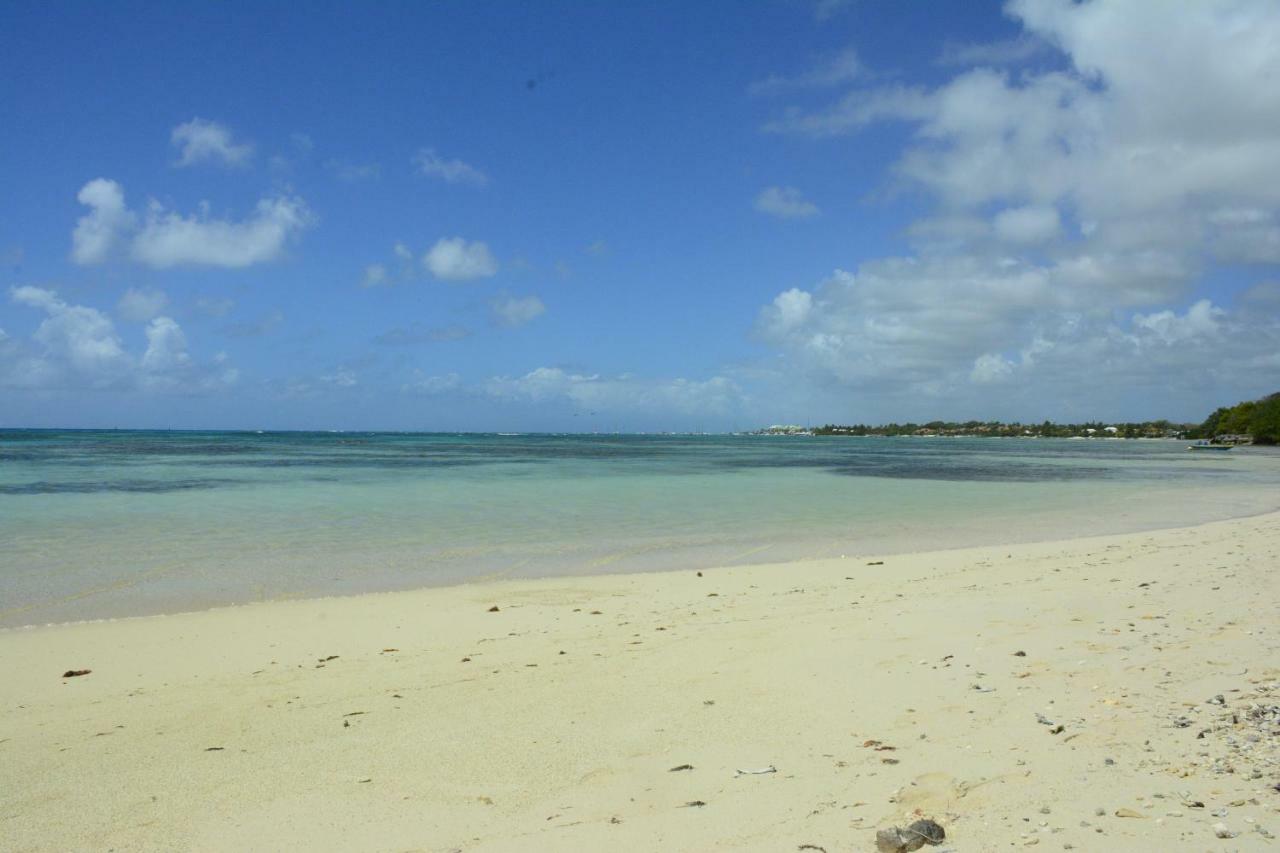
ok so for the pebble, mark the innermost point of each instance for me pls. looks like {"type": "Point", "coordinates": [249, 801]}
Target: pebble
{"type": "Point", "coordinates": [1220, 830]}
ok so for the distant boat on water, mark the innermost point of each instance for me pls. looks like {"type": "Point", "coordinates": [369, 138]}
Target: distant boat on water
{"type": "Point", "coordinates": [1204, 445]}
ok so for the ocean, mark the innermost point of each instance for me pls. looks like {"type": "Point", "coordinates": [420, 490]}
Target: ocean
{"type": "Point", "coordinates": [99, 524]}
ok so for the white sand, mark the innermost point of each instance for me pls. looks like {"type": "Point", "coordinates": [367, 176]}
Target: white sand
{"type": "Point", "coordinates": [559, 730]}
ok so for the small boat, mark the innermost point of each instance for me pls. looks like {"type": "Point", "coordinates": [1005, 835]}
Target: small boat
{"type": "Point", "coordinates": [1204, 445]}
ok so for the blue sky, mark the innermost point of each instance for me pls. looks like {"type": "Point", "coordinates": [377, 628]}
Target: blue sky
{"type": "Point", "coordinates": [635, 216]}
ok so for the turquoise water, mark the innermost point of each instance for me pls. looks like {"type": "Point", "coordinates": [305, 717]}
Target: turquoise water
{"type": "Point", "coordinates": [99, 524]}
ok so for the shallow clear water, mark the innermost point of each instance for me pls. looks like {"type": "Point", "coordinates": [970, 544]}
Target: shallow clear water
{"type": "Point", "coordinates": [111, 523]}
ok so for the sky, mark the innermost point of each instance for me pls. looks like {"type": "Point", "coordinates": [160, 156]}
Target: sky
{"type": "Point", "coordinates": [636, 216]}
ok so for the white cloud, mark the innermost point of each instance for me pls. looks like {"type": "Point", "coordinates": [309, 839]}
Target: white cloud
{"type": "Point", "coordinates": [77, 347]}
{"type": "Point", "coordinates": [1075, 211]}
{"type": "Point", "coordinates": [403, 252]}
{"type": "Point", "coordinates": [170, 239]}
{"type": "Point", "coordinates": [785, 202]}
{"type": "Point", "coordinates": [512, 311]}
{"type": "Point", "coordinates": [715, 396]}
{"type": "Point", "coordinates": [789, 311]}
{"type": "Point", "coordinates": [374, 275]}
{"type": "Point", "coordinates": [1028, 225]}
{"type": "Point", "coordinates": [454, 259]}
{"type": "Point", "coordinates": [139, 306]}
{"type": "Point", "coordinates": [421, 383]}
{"type": "Point", "coordinates": [166, 347]}
{"type": "Point", "coordinates": [97, 232]}
{"type": "Point", "coordinates": [844, 67]}
{"type": "Point", "coordinates": [83, 338]}
{"type": "Point", "coordinates": [201, 141]}
{"type": "Point", "coordinates": [432, 165]}
{"type": "Point", "coordinates": [167, 239]}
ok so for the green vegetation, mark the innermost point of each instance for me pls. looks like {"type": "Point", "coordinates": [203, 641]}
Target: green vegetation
{"type": "Point", "coordinates": [1258, 418]}
{"type": "Point", "coordinates": [1047, 429]}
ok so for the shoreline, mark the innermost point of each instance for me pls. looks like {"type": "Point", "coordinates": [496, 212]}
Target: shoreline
{"type": "Point", "coordinates": [424, 720]}
{"type": "Point", "coordinates": [691, 565]}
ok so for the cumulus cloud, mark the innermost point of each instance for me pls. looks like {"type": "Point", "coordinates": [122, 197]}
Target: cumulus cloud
{"type": "Point", "coordinates": [454, 259]}
{"type": "Point", "coordinates": [201, 141]}
{"type": "Point", "coordinates": [76, 346]}
{"type": "Point", "coordinates": [97, 232]}
{"type": "Point", "coordinates": [785, 202]}
{"type": "Point", "coordinates": [139, 306]}
{"type": "Point", "coordinates": [1074, 211]}
{"type": "Point", "coordinates": [169, 239]}
{"type": "Point", "coordinates": [432, 165]}
{"type": "Point", "coordinates": [512, 311]}
{"type": "Point", "coordinates": [715, 396]}
{"type": "Point", "coordinates": [1030, 224]}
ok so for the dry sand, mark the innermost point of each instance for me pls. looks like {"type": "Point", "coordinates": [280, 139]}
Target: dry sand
{"type": "Point", "coordinates": [424, 721]}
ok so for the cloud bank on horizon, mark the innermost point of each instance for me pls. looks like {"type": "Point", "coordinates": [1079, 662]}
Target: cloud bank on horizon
{"type": "Point", "coordinates": [1062, 210]}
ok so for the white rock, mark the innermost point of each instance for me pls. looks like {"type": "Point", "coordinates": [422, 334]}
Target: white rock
{"type": "Point", "coordinates": [1220, 830]}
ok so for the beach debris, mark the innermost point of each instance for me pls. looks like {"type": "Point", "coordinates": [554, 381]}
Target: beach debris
{"type": "Point", "coordinates": [466, 660]}
{"type": "Point", "coordinates": [1058, 729]}
{"type": "Point", "coordinates": [759, 772]}
{"type": "Point", "coordinates": [361, 781]}
{"type": "Point", "coordinates": [876, 563]}
{"type": "Point", "coordinates": [329, 658]}
{"type": "Point", "coordinates": [76, 673]}
{"type": "Point", "coordinates": [699, 574]}
{"type": "Point", "coordinates": [1221, 830]}
{"type": "Point", "coordinates": [384, 651]}
{"type": "Point", "coordinates": [493, 609]}
{"type": "Point", "coordinates": [981, 689]}
{"type": "Point", "coordinates": [680, 767]}
{"type": "Point", "coordinates": [693, 804]}
{"type": "Point", "coordinates": [354, 713]}
{"type": "Point", "coordinates": [812, 847]}
{"type": "Point", "coordinates": [214, 748]}
{"type": "Point", "coordinates": [879, 746]}
{"type": "Point", "coordinates": [915, 836]}
{"type": "Point", "coordinates": [890, 761]}
{"type": "Point", "coordinates": [1128, 813]}
{"type": "Point", "coordinates": [1043, 720]}
{"type": "Point", "coordinates": [1019, 654]}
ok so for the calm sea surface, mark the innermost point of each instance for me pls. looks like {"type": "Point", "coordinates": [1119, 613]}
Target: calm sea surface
{"type": "Point", "coordinates": [98, 524]}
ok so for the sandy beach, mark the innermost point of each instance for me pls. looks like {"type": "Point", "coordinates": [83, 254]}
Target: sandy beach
{"type": "Point", "coordinates": [1113, 693]}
